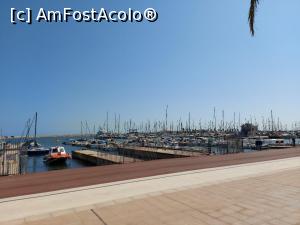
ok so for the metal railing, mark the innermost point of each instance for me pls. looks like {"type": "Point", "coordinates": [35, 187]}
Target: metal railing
{"type": "Point", "coordinates": [12, 159]}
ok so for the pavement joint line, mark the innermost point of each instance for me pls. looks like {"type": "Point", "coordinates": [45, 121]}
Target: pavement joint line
{"type": "Point", "coordinates": [99, 186]}
{"type": "Point", "coordinates": [183, 203]}
{"type": "Point", "coordinates": [273, 182]}
{"type": "Point", "coordinates": [98, 216]}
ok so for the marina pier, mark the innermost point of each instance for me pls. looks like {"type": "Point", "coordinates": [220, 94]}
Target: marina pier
{"type": "Point", "coordinates": [101, 158]}
{"type": "Point", "coordinates": [130, 154]}
{"type": "Point", "coordinates": [156, 153]}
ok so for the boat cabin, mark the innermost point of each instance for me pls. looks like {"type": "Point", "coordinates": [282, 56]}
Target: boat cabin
{"type": "Point", "coordinates": [58, 150]}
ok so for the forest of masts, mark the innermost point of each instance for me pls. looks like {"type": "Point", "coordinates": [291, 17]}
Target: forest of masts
{"type": "Point", "coordinates": [114, 124]}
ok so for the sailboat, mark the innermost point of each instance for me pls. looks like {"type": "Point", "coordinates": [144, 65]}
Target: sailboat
{"type": "Point", "coordinates": [33, 147]}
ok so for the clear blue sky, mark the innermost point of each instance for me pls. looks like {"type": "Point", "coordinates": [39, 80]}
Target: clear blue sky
{"type": "Point", "coordinates": [198, 55]}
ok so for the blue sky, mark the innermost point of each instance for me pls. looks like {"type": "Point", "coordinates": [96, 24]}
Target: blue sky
{"type": "Point", "coordinates": [199, 54]}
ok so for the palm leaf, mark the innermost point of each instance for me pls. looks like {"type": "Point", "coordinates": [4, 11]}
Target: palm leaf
{"type": "Point", "coordinates": [251, 17]}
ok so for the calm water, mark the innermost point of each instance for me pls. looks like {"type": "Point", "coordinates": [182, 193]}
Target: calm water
{"type": "Point", "coordinates": [36, 163]}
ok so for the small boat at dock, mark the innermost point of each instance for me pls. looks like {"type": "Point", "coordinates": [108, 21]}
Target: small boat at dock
{"type": "Point", "coordinates": [35, 149]}
{"type": "Point", "coordinates": [279, 144]}
{"type": "Point", "coordinates": [57, 155]}
{"type": "Point", "coordinates": [32, 147]}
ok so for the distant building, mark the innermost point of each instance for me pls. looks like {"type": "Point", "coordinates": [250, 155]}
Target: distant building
{"type": "Point", "coordinates": [248, 129]}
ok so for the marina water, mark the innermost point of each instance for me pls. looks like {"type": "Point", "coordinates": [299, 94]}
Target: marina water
{"type": "Point", "coordinates": [36, 163]}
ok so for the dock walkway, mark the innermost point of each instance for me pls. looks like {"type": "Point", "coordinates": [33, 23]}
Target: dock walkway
{"type": "Point", "coordinates": [99, 157]}
{"type": "Point", "coordinates": [151, 153]}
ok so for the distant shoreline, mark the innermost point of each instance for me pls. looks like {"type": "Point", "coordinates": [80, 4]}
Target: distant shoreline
{"type": "Point", "coordinates": [43, 136]}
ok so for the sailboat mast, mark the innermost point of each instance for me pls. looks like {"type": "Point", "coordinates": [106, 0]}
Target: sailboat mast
{"type": "Point", "coordinates": [189, 122]}
{"type": "Point", "coordinates": [106, 122]}
{"type": "Point", "coordinates": [272, 120]}
{"type": "Point", "coordinates": [166, 128]}
{"type": "Point", "coordinates": [35, 126]}
{"type": "Point", "coordinates": [215, 119]}
{"type": "Point", "coordinates": [81, 132]}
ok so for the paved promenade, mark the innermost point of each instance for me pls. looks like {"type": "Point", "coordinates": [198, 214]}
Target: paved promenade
{"type": "Point", "coordinates": [262, 193]}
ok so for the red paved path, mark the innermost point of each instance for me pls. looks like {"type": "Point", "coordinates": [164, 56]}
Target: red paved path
{"type": "Point", "coordinates": [71, 178]}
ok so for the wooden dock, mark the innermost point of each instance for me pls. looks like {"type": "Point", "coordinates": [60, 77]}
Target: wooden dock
{"type": "Point", "coordinates": [159, 153]}
{"type": "Point", "coordinates": [102, 158]}
{"type": "Point", "coordinates": [130, 154]}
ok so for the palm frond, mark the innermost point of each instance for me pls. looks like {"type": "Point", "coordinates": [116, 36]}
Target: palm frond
{"type": "Point", "coordinates": [251, 17]}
